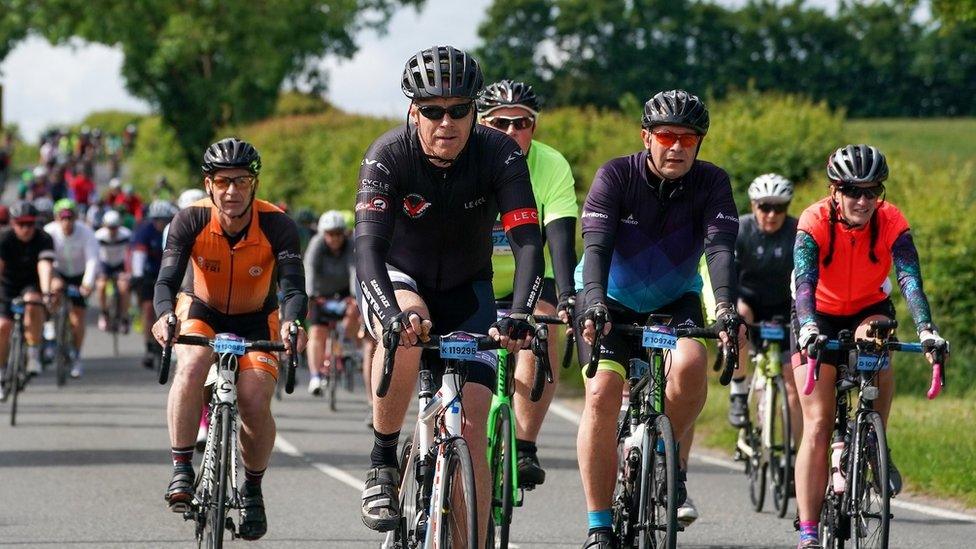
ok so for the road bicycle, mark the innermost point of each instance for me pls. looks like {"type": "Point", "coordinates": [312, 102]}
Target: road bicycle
{"type": "Point", "coordinates": [644, 505]}
{"type": "Point", "coordinates": [766, 446]}
{"type": "Point", "coordinates": [64, 339]}
{"type": "Point", "coordinates": [15, 375]}
{"type": "Point", "coordinates": [438, 502]}
{"type": "Point", "coordinates": [857, 505]}
{"type": "Point", "coordinates": [118, 312]}
{"type": "Point", "coordinates": [216, 489]}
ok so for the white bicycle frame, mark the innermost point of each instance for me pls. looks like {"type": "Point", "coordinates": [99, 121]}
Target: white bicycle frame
{"type": "Point", "coordinates": [765, 383]}
{"type": "Point", "coordinates": [221, 378]}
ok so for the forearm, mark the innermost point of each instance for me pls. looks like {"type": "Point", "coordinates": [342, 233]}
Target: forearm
{"type": "Point", "coordinates": [597, 252]}
{"type": "Point", "coordinates": [909, 272]}
{"type": "Point", "coordinates": [371, 252]}
{"type": "Point", "coordinates": [291, 280]}
{"type": "Point", "coordinates": [561, 235]}
{"type": "Point", "coordinates": [806, 271]}
{"type": "Point", "coordinates": [526, 241]}
{"type": "Point", "coordinates": [45, 269]}
{"type": "Point", "coordinates": [720, 257]}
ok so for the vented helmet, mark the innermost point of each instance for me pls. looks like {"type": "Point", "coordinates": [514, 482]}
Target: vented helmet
{"type": "Point", "coordinates": [231, 153]}
{"type": "Point", "coordinates": [857, 164]}
{"type": "Point", "coordinates": [441, 71]}
{"type": "Point", "coordinates": [508, 93]}
{"type": "Point", "coordinates": [676, 108]}
{"type": "Point", "coordinates": [771, 188]}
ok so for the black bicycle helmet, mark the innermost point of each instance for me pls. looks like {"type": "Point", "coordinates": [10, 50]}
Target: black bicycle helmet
{"type": "Point", "coordinates": [676, 108]}
{"type": "Point", "coordinates": [508, 93]}
{"type": "Point", "coordinates": [442, 71]}
{"type": "Point", "coordinates": [23, 210]}
{"type": "Point", "coordinates": [857, 164]}
{"type": "Point", "coordinates": [231, 152]}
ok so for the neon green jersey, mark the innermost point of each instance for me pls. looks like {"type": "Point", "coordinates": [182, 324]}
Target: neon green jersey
{"type": "Point", "coordinates": [555, 198]}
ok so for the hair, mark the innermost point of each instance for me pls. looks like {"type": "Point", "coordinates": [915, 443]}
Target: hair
{"type": "Point", "coordinates": [875, 229]}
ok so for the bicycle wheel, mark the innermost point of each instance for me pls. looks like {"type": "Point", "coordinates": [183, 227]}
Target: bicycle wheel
{"type": "Point", "coordinates": [756, 467]}
{"type": "Point", "coordinates": [62, 329]}
{"type": "Point", "coordinates": [502, 473]}
{"type": "Point", "coordinates": [781, 449]}
{"type": "Point", "coordinates": [333, 382]}
{"type": "Point", "coordinates": [16, 374]}
{"type": "Point", "coordinates": [458, 517]}
{"type": "Point", "coordinates": [833, 526]}
{"type": "Point", "coordinates": [870, 500]}
{"type": "Point", "coordinates": [658, 511]}
{"type": "Point", "coordinates": [405, 535]}
{"type": "Point", "coordinates": [216, 513]}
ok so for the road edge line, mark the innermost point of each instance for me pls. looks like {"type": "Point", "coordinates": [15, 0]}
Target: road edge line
{"type": "Point", "coordinates": [331, 471]}
{"type": "Point", "coordinates": [572, 416]}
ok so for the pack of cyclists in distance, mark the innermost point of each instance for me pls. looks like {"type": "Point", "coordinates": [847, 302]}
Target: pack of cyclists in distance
{"type": "Point", "coordinates": [460, 213]}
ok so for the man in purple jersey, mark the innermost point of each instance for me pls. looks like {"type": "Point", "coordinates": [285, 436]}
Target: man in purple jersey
{"type": "Point", "coordinates": [647, 221]}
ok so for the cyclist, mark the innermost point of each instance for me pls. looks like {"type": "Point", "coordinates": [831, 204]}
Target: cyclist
{"type": "Point", "coordinates": [147, 257]}
{"type": "Point", "coordinates": [852, 230]}
{"type": "Point", "coordinates": [764, 255]}
{"type": "Point", "coordinates": [429, 194]}
{"type": "Point", "coordinates": [242, 249]}
{"type": "Point", "coordinates": [81, 186]}
{"type": "Point", "coordinates": [329, 269]}
{"type": "Point", "coordinates": [113, 245]}
{"type": "Point", "coordinates": [646, 222]}
{"type": "Point", "coordinates": [75, 264]}
{"type": "Point", "coordinates": [513, 107]}
{"type": "Point", "coordinates": [26, 256]}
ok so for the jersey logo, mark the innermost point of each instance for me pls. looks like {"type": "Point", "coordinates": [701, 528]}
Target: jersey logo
{"type": "Point", "coordinates": [209, 265]}
{"type": "Point", "coordinates": [727, 217]}
{"type": "Point", "coordinates": [255, 271]}
{"type": "Point", "coordinates": [630, 220]}
{"type": "Point", "coordinates": [595, 214]}
{"type": "Point", "coordinates": [375, 204]}
{"type": "Point", "coordinates": [376, 184]}
{"type": "Point", "coordinates": [475, 203]}
{"type": "Point", "coordinates": [415, 205]}
{"type": "Point", "coordinates": [511, 158]}
{"type": "Point", "coordinates": [377, 163]}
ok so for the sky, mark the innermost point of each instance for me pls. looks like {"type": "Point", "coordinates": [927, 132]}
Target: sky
{"type": "Point", "coordinates": [45, 85]}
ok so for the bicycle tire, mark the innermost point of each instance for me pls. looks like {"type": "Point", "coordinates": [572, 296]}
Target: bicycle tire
{"type": "Point", "coordinates": [61, 341]}
{"type": "Point", "coordinates": [459, 487]}
{"type": "Point", "coordinates": [404, 535]}
{"type": "Point", "coordinates": [217, 512]}
{"type": "Point", "coordinates": [757, 466]}
{"type": "Point", "coordinates": [502, 474]}
{"type": "Point", "coordinates": [15, 371]}
{"type": "Point", "coordinates": [658, 509]}
{"type": "Point", "coordinates": [871, 498]}
{"type": "Point", "coordinates": [333, 382]}
{"type": "Point", "coordinates": [781, 451]}
{"type": "Point", "coordinates": [114, 319]}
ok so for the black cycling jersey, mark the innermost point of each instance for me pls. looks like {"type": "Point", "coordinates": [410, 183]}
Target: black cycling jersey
{"type": "Point", "coordinates": [435, 224]}
{"type": "Point", "coordinates": [20, 258]}
{"type": "Point", "coordinates": [765, 262]}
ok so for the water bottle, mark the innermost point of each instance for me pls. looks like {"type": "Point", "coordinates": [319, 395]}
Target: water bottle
{"type": "Point", "coordinates": [836, 467]}
{"type": "Point", "coordinates": [634, 438]}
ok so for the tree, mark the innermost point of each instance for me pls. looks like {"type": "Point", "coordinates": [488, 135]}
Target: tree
{"type": "Point", "coordinates": [206, 64]}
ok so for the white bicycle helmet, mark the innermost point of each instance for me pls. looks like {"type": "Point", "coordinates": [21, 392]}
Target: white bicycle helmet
{"type": "Point", "coordinates": [771, 188]}
{"type": "Point", "coordinates": [332, 220]}
{"type": "Point", "coordinates": [161, 209]}
{"type": "Point", "coordinates": [111, 219]}
{"type": "Point", "coordinates": [190, 196]}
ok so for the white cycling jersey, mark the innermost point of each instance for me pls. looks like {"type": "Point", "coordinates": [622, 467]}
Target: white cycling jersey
{"type": "Point", "coordinates": [112, 249]}
{"type": "Point", "coordinates": [75, 254]}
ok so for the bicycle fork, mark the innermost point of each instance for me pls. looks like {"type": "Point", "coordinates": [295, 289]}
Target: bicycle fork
{"type": "Point", "coordinates": [446, 405]}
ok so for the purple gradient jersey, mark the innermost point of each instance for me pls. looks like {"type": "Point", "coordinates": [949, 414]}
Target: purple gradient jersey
{"type": "Point", "coordinates": [658, 242]}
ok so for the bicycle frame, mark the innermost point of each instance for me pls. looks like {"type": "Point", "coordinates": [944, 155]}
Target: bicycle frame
{"type": "Point", "coordinates": [501, 402]}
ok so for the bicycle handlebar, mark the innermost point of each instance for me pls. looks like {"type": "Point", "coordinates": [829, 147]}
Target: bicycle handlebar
{"type": "Point", "coordinates": [570, 339]}
{"type": "Point", "coordinates": [164, 360]}
{"type": "Point", "coordinates": [635, 330]}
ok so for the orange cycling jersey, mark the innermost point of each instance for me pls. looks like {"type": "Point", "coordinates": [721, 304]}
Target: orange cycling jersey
{"type": "Point", "coordinates": [234, 275]}
{"type": "Point", "coordinates": [852, 281]}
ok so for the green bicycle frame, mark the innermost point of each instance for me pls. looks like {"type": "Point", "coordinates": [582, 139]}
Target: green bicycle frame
{"type": "Point", "coordinates": [501, 403]}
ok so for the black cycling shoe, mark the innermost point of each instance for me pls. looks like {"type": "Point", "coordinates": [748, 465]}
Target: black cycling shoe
{"type": "Point", "coordinates": [894, 477]}
{"type": "Point", "coordinates": [381, 502]}
{"type": "Point", "coordinates": [530, 473]}
{"type": "Point", "coordinates": [738, 411]}
{"type": "Point", "coordinates": [601, 539]}
{"type": "Point", "coordinates": [254, 523]}
{"type": "Point", "coordinates": [179, 495]}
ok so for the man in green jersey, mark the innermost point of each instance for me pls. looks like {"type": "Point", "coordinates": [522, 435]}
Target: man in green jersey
{"type": "Point", "coordinates": [513, 108]}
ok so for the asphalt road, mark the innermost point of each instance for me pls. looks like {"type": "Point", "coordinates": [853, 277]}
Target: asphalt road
{"type": "Point", "coordinates": [87, 465]}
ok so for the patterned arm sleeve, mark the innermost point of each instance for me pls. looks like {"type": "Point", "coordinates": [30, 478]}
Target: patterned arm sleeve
{"type": "Point", "coordinates": [909, 273]}
{"type": "Point", "coordinates": [806, 271]}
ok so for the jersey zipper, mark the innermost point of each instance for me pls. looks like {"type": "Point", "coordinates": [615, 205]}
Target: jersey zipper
{"type": "Point", "coordinates": [230, 282]}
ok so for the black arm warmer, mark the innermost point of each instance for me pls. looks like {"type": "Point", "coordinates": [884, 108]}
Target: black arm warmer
{"type": "Point", "coordinates": [720, 255]}
{"type": "Point", "coordinates": [371, 251]}
{"type": "Point", "coordinates": [171, 271]}
{"type": "Point", "coordinates": [561, 234]}
{"type": "Point", "coordinates": [526, 242]}
{"type": "Point", "coordinates": [597, 251]}
{"type": "Point", "coordinates": [291, 281]}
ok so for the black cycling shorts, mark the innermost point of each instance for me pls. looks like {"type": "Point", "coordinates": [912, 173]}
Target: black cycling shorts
{"type": "Point", "coordinates": [76, 300]}
{"type": "Point", "coordinates": [9, 293]}
{"type": "Point", "coordinates": [330, 311]}
{"type": "Point", "coordinates": [766, 313]}
{"type": "Point", "coordinates": [831, 325]}
{"type": "Point", "coordinates": [619, 349]}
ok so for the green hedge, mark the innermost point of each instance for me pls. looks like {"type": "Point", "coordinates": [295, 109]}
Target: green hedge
{"type": "Point", "coordinates": [113, 122]}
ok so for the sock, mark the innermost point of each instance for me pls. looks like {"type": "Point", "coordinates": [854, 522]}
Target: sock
{"type": "Point", "coordinates": [33, 352]}
{"type": "Point", "coordinates": [739, 386]}
{"type": "Point", "coordinates": [384, 452]}
{"type": "Point", "coordinates": [182, 456]}
{"type": "Point", "coordinates": [600, 520]}
{"type": "Point", "coordinates": [808, 530]}
{"type": "Point", "coordinates": [525, 446]}
{"type": "Point", "coordinates": [253, 477]}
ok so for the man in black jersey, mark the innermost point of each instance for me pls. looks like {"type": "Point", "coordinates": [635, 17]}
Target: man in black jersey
{"type": "Point", "coordinates": [429, 195]}
{"type": "Point", "coordinates": [26, 267]}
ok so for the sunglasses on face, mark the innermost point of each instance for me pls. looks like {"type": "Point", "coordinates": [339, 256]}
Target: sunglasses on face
{"type": "Point", "coordinates": [502, 123]}
{"type": "Point", "coordinates": [777, 208]}
{"type": "Point", "coordinates": [335, 234]}
{"type": "Point", "coordinates": [437, 112]}
{"type": "Point", "coordinates": [855, 192]}
{"type": "Point", "coordinates": [667, 139]}
{"type": "Point", "coordinates": [242, 182]}
{"type": "Point", "coordinates": [25, 224]}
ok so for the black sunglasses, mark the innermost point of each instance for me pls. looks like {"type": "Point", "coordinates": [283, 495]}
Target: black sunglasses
{"type": "Point", "coordinates": [778, 208]}
{"type": "Point", "coordinates": [436, 112]}
{"type": "Point", "coordinates": [855, 192]}
{"type": "Point", "coordinates": [501, 123]}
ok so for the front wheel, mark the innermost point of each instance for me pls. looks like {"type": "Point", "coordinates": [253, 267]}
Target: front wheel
{"type": "Point", "coordinates": [216, 512]}
{"type": "Point", "coordinates": [16, 371]}
{"type": "Point", "coordinates": [61, 355]}
{"type": "Point", "coordinates": [658, 510]}
{"type": "Point", "coordinates": [781, 448]}
{"type": "Point", "coordinates": [502, 457]}
{"type": "Point", "coordinates": [458, 516]}
{"type": "Point", "coordinates": [871, 498]}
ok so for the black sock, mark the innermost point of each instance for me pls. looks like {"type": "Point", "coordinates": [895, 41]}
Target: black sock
{"type": "Point", "coordinates": [384, 452]}
{"type": "Point", "coordinates": [182, 456]}
{"type": "Point", "coordinates": [253, 477]}
{"type": "Point", "coordinates": [525, 446]}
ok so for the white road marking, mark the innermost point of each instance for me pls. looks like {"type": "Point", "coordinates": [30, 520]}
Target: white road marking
{"type": "Point", "coordinates": [288, 448]}
{"type": "Point", "coordinates": [573, 416]}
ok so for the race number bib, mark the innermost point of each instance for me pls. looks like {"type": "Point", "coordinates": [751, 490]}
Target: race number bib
{"type": "Point", "coordinates": [659, 337]}
{"type": "Point", "coordinates": [499, 241]}
{"type": "Point", "coordinates": [459, 346]}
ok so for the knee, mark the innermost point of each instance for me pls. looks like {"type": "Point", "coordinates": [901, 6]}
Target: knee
{"type": "Point", "coordinates": [816, 430]}
{"type": "Point", "coordinates": [603, 394]}
{"type": "Point", "coordinates": [253, 406]}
